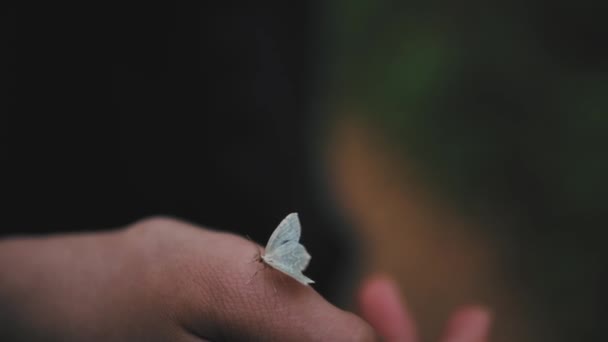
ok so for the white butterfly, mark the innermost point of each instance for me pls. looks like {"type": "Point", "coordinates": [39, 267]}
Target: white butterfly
{"type": "Point", "coordinates": [284, 251]}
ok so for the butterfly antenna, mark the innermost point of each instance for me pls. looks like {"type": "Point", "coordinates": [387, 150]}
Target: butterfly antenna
{"type": "Point", "coordinates": [258, 254]}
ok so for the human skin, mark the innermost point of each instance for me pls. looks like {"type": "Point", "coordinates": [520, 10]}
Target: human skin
{"type": "Point", "coordinates": [162, 279]}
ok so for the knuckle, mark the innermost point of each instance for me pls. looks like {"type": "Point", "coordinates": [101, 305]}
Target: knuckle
{"type": "Point", "coordinates": [156, 221]}
{"type": "Point", "coordinates": [154, 224]}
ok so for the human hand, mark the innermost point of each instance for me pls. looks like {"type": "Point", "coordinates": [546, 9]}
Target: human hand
{"type": "Point", "coordinates": [157, 280]}
{"type": "Point", "coordinates": [162, 279]}
{"type": "Point", "coordinates": [382, 307]}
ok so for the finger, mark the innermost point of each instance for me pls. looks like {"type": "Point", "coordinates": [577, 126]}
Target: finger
{"type": "Point", "coordinates": [382, 307]}
{"type": "Point", "coordinates": [226, 303]}
{"type": "Point", "coordinates": [471, 324]}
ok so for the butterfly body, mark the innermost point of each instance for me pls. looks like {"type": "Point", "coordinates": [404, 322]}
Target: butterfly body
{"type": "Point", "coordinates": [284, 251]}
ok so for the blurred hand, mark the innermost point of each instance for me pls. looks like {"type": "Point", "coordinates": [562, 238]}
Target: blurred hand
{"type": "Point", "coordinates": [382, 307]}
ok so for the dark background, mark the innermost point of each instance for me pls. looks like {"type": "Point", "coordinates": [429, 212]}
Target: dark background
{"type": "Point", "coordinates": [112, 114]}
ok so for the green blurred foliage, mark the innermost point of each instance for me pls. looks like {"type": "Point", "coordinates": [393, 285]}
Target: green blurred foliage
{"type": "Point", "coordinates": [504, 107]}
{"type": "Point", "coordinates": [494, 99]}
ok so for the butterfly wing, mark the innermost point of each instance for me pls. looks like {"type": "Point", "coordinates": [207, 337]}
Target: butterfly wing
{"type": "Point", "coordinates": [285, 253]}
{"type": "Point", "coordinates": [290, 258]}
{"type": "Point", "coordinates": [288, 230]}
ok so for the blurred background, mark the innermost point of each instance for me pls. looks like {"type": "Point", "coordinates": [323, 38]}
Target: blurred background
{"type": "Point", "coordinates": [459, 147]}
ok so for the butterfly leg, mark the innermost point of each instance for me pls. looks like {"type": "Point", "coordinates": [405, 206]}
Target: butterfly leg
{"type": "Point", "coordinates": [253, 276]}
{"type": "Point", "coordinates": [258, 255]}
{"type": "Point", "coordinates": [255, 258]}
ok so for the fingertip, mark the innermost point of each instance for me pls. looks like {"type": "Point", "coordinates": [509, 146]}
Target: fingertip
{"type": "Point", "coordinates": [469, 324]}
{"type": "Point", "coordinates": [357, 329]}
{"type": "Point", "coordinates": [382, 306]}
{"type": "Point", "coordinates": [378, 288]}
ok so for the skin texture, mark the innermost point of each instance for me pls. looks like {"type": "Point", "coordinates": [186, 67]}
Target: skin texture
{"type": "Point", "coordinates": [162, 279]}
